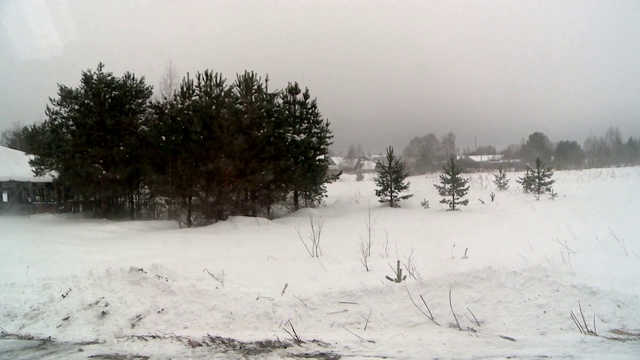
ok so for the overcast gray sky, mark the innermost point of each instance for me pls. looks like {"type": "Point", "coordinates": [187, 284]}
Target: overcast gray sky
{"type": "Point", "coordinates": [383, 71]}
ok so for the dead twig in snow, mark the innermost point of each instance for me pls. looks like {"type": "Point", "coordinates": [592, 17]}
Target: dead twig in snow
{"type": "Point", "coordinates": [429, 316]}
{"type": "Point", "coordinates": [338, 312]}
{"type": "Point", "coordinates": [386, 244]}
{"type": "Point", "coordinates": [366, 319]}
{"type": "Point", "coordinates": [584, 327]}
{"type": "Point", "coordinates": [410, 266]}
{"type": "Point", "coordinates": [365, 253]}
{"type": "Point", "coordinates": [358, 336]}
{"type": "Point", "coordinates": [621, 241]}
{"type": "Point", "coordinates": [575, 321]}
{"type": "Point", "coordinates": [474, 317]}
{"type": "Point", "coordinates": [219, 278]}
{"type": "Point", "coordinates": [292, 333]}
{"type": "Point", "coordinates": [565, 246]}
{"type": "Point", "coordinates": [284, 289]}
{"type": "Point", "coordinates": [366, 241]}
{"type": "Point", "coordinates": [453, 312]}
{"type": "Point", "coordinates": [429, 310]}
{"type": "Point", "coordinates": [524, 259]}
{"type": "Point", "coordinates": [585, 321]}
{"type": "Point", "coordinates": [302, 301]}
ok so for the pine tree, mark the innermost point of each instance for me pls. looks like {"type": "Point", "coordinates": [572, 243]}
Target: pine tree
{"type": "Point", "coordinates": [500, 179]}
{"type": "Point", "coordinates": [525, 181]}
{"type": "Point", "coordinates": [391, 179]}
{"type": "Point", "coordinates": [537, 181]}
{"type": "Point", "coordinates": [93, 139]}
{"type": "Point", "coordinates": [454, 187]}
{"type": "Point", "coordinates": [305, 149]}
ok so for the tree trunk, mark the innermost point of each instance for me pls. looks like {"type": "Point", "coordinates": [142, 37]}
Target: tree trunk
{"type": "Point", "coordinates": [132, 210]}
{"type": "Point", "coordinates": [103, 201]}
{"type": "Point", "coordinates": [189, 205]}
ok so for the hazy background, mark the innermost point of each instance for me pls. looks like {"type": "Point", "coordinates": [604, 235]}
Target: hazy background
{"type": "Point", "coordinates": [383, 71]}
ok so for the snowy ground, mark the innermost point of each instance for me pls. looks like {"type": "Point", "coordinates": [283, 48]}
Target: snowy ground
{"type": "Point", "coordinates": [146, 290]}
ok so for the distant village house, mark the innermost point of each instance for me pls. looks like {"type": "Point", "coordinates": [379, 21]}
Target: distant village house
{"type": "Point", "coordinates": [20, 190]}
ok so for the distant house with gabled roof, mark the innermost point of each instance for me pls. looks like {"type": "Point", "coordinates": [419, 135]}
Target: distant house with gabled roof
{"type": "Point", "coordinates": [20, 190]}
{"type": "Point", "coordinates": [488, 161]}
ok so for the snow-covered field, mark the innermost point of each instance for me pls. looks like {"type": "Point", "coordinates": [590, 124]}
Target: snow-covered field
{"type": "Point", "coordinates": [138, 290]}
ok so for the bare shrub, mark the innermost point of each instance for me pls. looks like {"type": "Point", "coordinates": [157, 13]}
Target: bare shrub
{"type": "Point", "coordinates": [366, 241]}
{"type": "Point", "coordinates": [312, 243]}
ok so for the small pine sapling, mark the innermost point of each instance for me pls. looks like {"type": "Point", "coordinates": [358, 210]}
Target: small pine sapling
{"type": "Point", "coordinates": [390, 180]}
{"type": "Point", "coordinates": [492, 196]}
{"type": "Point", "coordinates": [500, 180]}
{"type": "Point", "coordinates": [454, 187]}
{"type": "Point", "coordinates": [526, 182]}
{"type": "Point", "coordinates": [424, 203]}
{"type": "Point", "coordinates": [398, 273]}
{"type": "Point", "coordinates": [538, 180]}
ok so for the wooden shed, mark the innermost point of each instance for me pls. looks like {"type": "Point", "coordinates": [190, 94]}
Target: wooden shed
{"type": "Point", "coordinates": [20, 190]}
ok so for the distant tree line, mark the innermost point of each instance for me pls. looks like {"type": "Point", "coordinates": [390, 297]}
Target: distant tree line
{"type": "Point", "coordinates": [428, 153]}
{"type": "Point", "coordinates": [201, 152]}
{"type": "Point", "coordinates": [609, 150]}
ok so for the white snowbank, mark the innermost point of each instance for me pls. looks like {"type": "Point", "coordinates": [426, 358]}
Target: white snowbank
{"type": "Point", "coordinates": [528, 264]}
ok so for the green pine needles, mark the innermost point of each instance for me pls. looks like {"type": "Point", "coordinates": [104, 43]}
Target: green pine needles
{"type": "Point", "coordinates": [500, 179]}
{"type": "Point", "coordinates": [454, 187]}
{"type": "Point", "coordinates": [391, 179]}
{"type": "Point", "coordinates": [537, 180]}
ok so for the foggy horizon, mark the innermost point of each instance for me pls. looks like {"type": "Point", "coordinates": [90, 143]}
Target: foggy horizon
{"type": "Point", "coordinates": [383, 72]}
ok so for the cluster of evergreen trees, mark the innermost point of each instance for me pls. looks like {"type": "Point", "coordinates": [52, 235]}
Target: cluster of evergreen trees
{"type": "Point", "coordinates": [391, 182]}
{"type": "Point", "coordinates": [206, 151]}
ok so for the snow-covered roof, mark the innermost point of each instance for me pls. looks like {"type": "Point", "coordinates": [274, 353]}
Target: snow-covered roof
{"type": "Point", "coordinates": [337, 160]}
{"type": "Point", "coordinates": [14, 166]}
{"type": "Point", "coordinates": [368, 165]}
{"type": "Point", "coordinates": [481, 158]}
